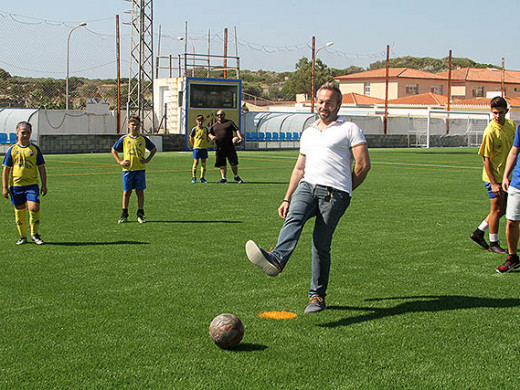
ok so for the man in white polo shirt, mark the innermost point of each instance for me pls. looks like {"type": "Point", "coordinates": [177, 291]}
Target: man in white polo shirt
{"type": "Point", "coordinates": [321, 186]}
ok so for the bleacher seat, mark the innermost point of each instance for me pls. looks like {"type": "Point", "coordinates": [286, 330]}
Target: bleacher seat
{"type": "Point", "coordinates": [261, 136]}
{"type": "Point", "coordinates": [268, 136]}
{"type": "Point", "coordinates": [13, 138]}
{"type": "Point", "coordinates": [295, 136]}
{"type": "Point", "coordinates": [288, 136]}
{"type": "Point", "coordinates": [282, 136]}
{"type": "Point", "coordinates": [275, 136]}
{"type": "Point", "coordinates": [3, 138]}
{"type": "Point", "coordinates": [248, 136]}
{"type": "Point", "coordinates": [254, 136]}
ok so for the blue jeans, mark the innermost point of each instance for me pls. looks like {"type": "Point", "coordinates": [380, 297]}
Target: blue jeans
{"type": "Point", "coordinates": [328, 205]}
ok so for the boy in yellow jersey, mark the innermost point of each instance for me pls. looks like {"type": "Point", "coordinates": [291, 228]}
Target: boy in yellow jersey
{"type": "Point", "coordinates": [23, 161]}
{"type": "Point", "coordinates": [133, 145]}
{"type": "Point", "coordinates": [199, 140]}
{"type": "Point", "coordinates": [496, 143]}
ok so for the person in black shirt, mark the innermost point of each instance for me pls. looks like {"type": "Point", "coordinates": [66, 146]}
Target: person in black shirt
{"type": "Point", "coordinates": [222, 133]}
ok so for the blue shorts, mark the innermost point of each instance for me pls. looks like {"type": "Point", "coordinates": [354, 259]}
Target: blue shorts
{"type": "Point", "coordinates": [490, 192]}
{"type": "Point", "coordinates": [21, 194]}
{"type": "Point", "coordinates": [200, 153]}
{"type": "Point", "coordinates": [134, 180]}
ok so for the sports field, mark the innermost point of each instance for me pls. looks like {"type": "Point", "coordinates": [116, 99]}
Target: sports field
{"type": "Point", "coordinates": [412, 303]}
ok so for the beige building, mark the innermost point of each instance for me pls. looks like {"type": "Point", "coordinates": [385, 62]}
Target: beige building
{"type": "Point", "coordinates": [471, 83]}
{"type": "Point", "coordinates": [401, 82]}
{"type": "Point", "coordinates": [466, 83]}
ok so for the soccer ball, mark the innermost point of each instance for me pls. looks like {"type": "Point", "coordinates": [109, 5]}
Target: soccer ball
{"type": "Point", "coordinates": [226, 330]}
{"type": "Point", "coordinates": [236, 141]}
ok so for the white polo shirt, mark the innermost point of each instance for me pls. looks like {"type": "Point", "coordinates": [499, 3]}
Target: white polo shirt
{"type": "Point", "coordinates": [328, 154]}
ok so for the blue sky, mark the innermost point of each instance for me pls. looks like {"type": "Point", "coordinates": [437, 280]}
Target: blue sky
{"type": "Point", "coordinates": [272, 34]}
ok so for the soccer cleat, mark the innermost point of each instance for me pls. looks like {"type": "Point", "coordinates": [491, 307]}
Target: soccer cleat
{"type": "Point", "coordinates": [37, 239]}
{"type": "Point", "coordinates": [141, 218]}
{"type": "Point", "coordinates": [203, 181]}
{"type": "Point", "coordinates": [478, 237]}
{"type": "Point", "coordinates": [193, 180]}
{"type": "Point", "coordinates": [511, 263]}
{"type": "Point", "coordinates": [238, 180]}
{"type": "Point", "coordinates": [315, 305]}
{"type": "Point", "coordinates": [262, 259]}
{"type": "Point", "coordinates": [123, 219]}
{"type": "Point", "coordinates": [494, 246]}
{"type": "Point", "coordinates": [21, 241]}
{"type": "Point", "coordinates": [222, 181]}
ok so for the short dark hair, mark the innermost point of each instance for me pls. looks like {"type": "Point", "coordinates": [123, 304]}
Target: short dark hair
{"type": "Point", "coordinates": [134, 118]}
{"type": "Point", "coordinates": [332, 86]}
{"type": "Point", "coordinates": [201, 117]}
{"type": "Point", "coordinates": [24, 124]}
{"type": "Point", "coordinates": [498, 102]}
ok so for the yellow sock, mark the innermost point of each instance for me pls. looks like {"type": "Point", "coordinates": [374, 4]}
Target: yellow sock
{"type": "Point", "coordinates": [34, 222]}
{"type": "Point", "coordinates": [21, 225]}
{"type": "Point", "coordinates": [203, 169]}
{"type": "Point", "coordinates": [194, 170]}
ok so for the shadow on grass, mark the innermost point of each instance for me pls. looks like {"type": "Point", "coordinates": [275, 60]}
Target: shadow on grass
{"type": "Point", "coordinates": [418, 304]}
{"type": "Point", "coordinates": [222, 221]}
{"type": "Point", "coordinates": [87, 243]}
{"type": "Point", "coordinates": [248, 347]}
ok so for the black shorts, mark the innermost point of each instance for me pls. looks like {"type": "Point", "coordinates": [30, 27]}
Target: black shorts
{"type": "Point", "coordinates": [226, 153]}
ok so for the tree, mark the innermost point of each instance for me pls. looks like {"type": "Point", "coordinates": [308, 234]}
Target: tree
{"type": "Point", "coordinates": [4, 75]}
{"type": "Point", "coordinates": [300, 80]}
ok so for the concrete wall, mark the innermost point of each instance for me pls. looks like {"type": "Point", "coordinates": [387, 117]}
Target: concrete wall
{"type": "Point", "coordinates": [98, 143]}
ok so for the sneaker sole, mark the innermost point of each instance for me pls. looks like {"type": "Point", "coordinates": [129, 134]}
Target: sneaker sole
{"type": "Point", "coordinates": [508, 270]}
{"type": "Point", "coordinates": [499, 252]}
{"type": "Point", "coordinates": [256, 257]}
{"type": "Point", "coordinates": [314, 309]}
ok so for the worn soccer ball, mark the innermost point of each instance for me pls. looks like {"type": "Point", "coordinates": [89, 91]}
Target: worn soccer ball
{"type": "Point", "coordinates": [237, 141]}
{"type": "Point", "coordinates": [226, 330]}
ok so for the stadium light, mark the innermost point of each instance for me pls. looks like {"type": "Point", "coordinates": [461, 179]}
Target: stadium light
{"type": "Point", "coordinates": [82, 24]}
{"type": "Point", "coordinates": [193, 51]}
{"type": "Point", "coordinates": [314, 53]}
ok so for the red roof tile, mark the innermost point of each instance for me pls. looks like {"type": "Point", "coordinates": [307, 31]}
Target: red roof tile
{"type": "Point", "coordinates": [392, 73]}
{"type": "Point", "coordinates": [423, 99]}
{"type": "Point", "coordinates": [483, 75]}
{"type": "Point", "coordinates": [357, 99]}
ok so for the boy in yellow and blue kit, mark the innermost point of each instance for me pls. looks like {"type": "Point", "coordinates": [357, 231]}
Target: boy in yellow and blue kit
{"type": "Point", "coordinates": [22, 164]}
{"type": "Point", "coordinates": [133, 146]}
{"type": "Point", "coordinates": [497, 141]}
{"type": "Point", "coordinates": [199, 140]}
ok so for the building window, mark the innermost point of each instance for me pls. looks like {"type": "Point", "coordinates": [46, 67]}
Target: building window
{"type": "Point", "coordinates": [478, 91]}
{"type": "Point", "coordinates": [437, 89]}
{"type": "Point", "coordinates": [412, 89]}
{"type": "Point", "coordinates": [367, 89]}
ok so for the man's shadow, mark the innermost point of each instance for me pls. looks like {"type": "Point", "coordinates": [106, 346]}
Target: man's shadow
{"type": "Point", "coordinates": [417, 304]}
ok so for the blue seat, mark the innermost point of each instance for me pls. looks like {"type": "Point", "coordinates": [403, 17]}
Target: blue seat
{"type": "Point", "coordinates": [254, 136]}
{"type": "Point", "coordinates": [248, 136]}
{"type": "Point", "coordinates": [295, 136]}
{"type": "Point", "coordinates": [261, 136]}
{"type": "Point", "coordinates": [268, 136]}
{"type": "Point", "coordinates": [275, 136]}
{"type": "Point", "coordinates": [3, 138]}
{"type": "Point", "coordinates": [282, 136]}
{"type": "Point", "coordinates": [288, 136]}
{"type": "Point", "coordinates": [13, 138]}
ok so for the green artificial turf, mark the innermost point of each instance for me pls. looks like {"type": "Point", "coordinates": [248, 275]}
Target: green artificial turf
{"type": "Point", "coordinates": [413, 303]}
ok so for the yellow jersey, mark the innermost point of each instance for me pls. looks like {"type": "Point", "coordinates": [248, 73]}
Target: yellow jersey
{"type": "Point", "coordinates": [496, 144]}
{"type": "Point", "coordinates": [24, 161]}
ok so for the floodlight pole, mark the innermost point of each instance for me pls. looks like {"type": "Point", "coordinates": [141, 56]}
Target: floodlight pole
{"type": "Point", "coordinates": [314, 53]}
{"type": "Point", "coordinates": [82, 24]}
